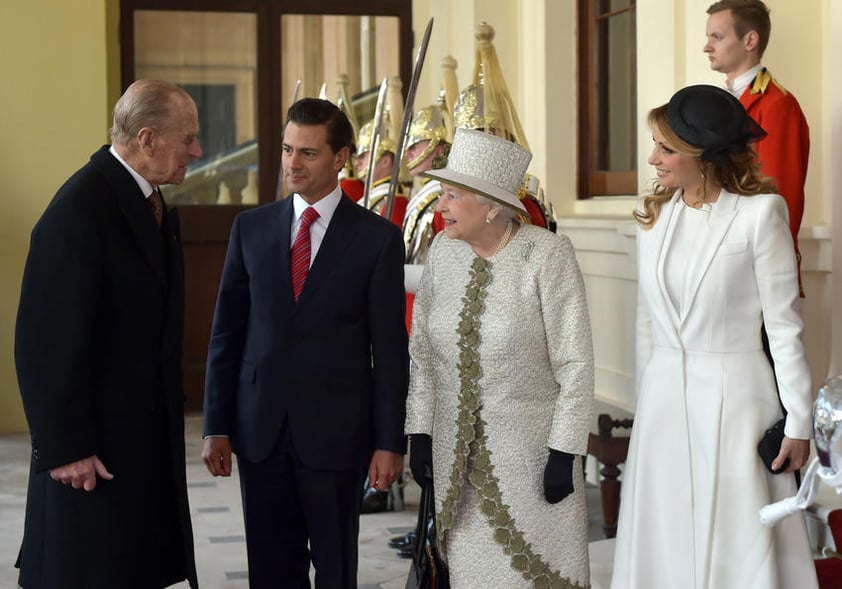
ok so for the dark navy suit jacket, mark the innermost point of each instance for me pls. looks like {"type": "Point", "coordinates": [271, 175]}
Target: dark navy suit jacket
{"type": "Point", "coordinates": [334, 366]}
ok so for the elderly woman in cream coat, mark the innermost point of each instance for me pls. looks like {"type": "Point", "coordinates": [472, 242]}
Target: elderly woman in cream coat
{"type": "Point", "coordinates": [715, 259]}
{"type": "Point", "coordinates": [501, 389]}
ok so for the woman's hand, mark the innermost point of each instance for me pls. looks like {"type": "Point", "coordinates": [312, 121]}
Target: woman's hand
{"type": "Point", "coordinates": [798, 451]}
{"type": "Point", "coordinates": [421, 457]}
{"type": "Point", "coordinates": [558, 476]}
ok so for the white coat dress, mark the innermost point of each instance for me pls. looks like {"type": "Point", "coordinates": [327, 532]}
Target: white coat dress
{"type": "Point", "coordinates": [694, 483]}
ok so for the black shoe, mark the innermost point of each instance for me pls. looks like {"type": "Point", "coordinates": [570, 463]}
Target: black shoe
{"type": "Point", "coordinates": [406, 551]}
{"type": "Point", "coordinates": [399, 542]}
{"type": "Point", "coordinates": [375, 501]}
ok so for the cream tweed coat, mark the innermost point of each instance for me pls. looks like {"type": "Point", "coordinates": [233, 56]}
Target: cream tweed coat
{"type": "Point", "coordinates": [502, 370]}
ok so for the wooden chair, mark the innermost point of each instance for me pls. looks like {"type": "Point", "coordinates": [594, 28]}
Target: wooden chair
{"type": "Point", "coordinates": [610, 452]}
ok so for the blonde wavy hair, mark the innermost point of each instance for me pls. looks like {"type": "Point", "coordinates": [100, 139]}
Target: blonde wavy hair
{"type": "Point", "coordinates": [739, 173]}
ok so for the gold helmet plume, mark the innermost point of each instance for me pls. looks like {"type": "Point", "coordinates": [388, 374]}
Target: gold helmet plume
{"type": "Point", "coordinates": [486, 104]}
{"type": "Point", "coordinates": [344, 102]}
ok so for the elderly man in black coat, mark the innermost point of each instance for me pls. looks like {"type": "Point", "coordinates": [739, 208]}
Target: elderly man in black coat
{"type": "Point", "coordinates": [98, 353]}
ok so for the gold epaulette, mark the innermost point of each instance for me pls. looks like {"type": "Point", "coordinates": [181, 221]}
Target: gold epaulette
{"type": "Point", "coordinates": [762, 80]}
{"type": "Point", "coordinates": [385, 180]}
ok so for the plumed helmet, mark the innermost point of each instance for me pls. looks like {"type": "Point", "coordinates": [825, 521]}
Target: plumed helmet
{"type": "Point", "coordinates": [386, 143]}
{"type": "Point", "coordinates": [486, 103]}
{"type": "Point", "coordinates": [429, 123]}
{"type": "Point", "coordinates": [344, 102]}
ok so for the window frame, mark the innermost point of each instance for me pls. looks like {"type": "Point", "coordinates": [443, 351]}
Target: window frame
{"type": "Point", "coordinates": [270, 103]}
{"type": "Point", "coordinates": [590, 180]}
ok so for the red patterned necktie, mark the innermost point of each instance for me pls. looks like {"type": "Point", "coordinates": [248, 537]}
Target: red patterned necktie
{"type": "Point", "coordinates": [156, 203]}
{"type": "Point", "coordinates": [300, 256]}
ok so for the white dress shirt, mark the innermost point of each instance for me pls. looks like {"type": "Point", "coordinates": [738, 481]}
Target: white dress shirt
{"type": "Point", "coordinates": [325, 207]}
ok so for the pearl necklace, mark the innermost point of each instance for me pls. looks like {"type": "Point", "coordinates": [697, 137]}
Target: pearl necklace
{"type": "Point", "coordinates": [505, 239]}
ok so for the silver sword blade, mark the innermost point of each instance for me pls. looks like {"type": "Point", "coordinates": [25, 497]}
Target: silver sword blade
{"type": "Point", "coordinates": [407, 118]}
{"type": "Point", "coordinates": [375, 138]}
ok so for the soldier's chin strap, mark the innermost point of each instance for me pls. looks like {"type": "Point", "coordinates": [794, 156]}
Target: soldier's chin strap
{"type": "Point", "coordinates": [776, 512]}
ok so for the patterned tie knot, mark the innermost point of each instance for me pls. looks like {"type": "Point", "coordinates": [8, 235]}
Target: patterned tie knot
{"type": "Point", "coordinates": [300, 255]}
{"type": "Point", "coordinates": [156, 203]}
{"type": "Point", "coordinates": [307, 217]}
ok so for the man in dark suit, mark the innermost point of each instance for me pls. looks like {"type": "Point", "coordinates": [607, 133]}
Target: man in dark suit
{"type": "Point", "coordinates": [308, 388]}
{"type": "Point", "coordinates": [98, 355]}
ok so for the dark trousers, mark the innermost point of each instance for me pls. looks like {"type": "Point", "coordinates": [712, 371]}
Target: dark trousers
{"type": "Point", "coordinates": [287, 505]}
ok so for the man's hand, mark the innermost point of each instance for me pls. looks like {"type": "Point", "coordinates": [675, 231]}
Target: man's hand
{"type": "Point", "coordinates": [385, 468]}
{"type": "Point", "coordinates": [82, 473]}
{"type": "Point", "coordinates": [216, 453]}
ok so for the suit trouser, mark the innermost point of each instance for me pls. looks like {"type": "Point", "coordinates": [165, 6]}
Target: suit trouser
{"type": "Point", "coordinates": [286, 504]}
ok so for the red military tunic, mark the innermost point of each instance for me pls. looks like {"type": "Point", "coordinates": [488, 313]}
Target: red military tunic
{"type": "Point", "coordinates": [783, 153]}
{"type": "Point", "coordinates": [377, 200]}
{"type": "Point", "coordinates": [352, 187]}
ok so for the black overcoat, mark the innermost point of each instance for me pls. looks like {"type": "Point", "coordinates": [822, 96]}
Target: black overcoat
{"type": "Point", "coordinates": [98, 357]}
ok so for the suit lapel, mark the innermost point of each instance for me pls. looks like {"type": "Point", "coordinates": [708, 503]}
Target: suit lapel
{"type": "Point", "coordinates": [282, 244]}
{"type": "Point", "coordinates": [133, 206]}
{"type": "Point", "coordinates": [661, 236]}
{"type": "Point", "coordinates": [721, 217]}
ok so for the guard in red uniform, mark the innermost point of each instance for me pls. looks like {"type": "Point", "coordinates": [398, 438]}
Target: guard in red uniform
{"type": "Point", "coordinates": [382, 171]}
{"type": "Point", "coordinates": [737, 35]}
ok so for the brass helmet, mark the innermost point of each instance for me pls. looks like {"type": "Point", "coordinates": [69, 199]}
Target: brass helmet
{"type": "Point", "coordinates": [486, 103]}
{"type": "Point", "coordinates": [385, 145]}
{"type": "Point", "coordinates": [429, 123]}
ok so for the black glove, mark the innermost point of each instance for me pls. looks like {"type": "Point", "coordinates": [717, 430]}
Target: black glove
{"type": "Point", "coordinates": [421, 457]}
{"type": "Point", "coordinates": [558, 476]}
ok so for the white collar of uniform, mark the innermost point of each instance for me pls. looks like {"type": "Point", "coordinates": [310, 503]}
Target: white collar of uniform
{"type": "Point", "coordinates": [325, 206]}
{"type": "Point", "coordinates": [741, 82]}
{"type": "Point", "coordinates": [145, 187]}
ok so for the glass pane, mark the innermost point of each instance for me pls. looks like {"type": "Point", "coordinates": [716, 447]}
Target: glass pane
{"type": "Point", "coordinates": [614, 116]}
{"type": "Point", "coordinates": [330, 51]}
{"type": "Point", "coordinates": [212, 55]}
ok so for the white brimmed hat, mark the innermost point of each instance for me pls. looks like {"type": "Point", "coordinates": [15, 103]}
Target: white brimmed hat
{"type": "Point", "coordinates": [486, 165]}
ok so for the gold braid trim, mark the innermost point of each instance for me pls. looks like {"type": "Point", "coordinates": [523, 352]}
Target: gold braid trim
{"type": "Point", "coordinates": [471, 452]}
{"type": "Point", "coordinates": [418, 208]}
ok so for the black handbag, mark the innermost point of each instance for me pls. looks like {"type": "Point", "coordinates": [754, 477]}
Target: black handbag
{"type": "Point", "coordinates": [770, 446]}
{"type": "Point", "coordinates": [427, 570]}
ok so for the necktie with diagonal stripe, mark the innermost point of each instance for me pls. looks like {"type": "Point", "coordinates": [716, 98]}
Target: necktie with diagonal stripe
{"type": "Point", "coordinates": [300, 255]}
{"type": "Point", "coordinates": [156, 203]}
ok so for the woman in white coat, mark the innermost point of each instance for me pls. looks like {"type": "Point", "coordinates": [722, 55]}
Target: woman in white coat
{"type": "Point", "coordinates": [501, 380]}
{"type": "Point", "coordinates": [715, 260]}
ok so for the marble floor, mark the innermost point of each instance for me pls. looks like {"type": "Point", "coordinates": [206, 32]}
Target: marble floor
{"type": "Point", "coordinates": [218, 524]}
